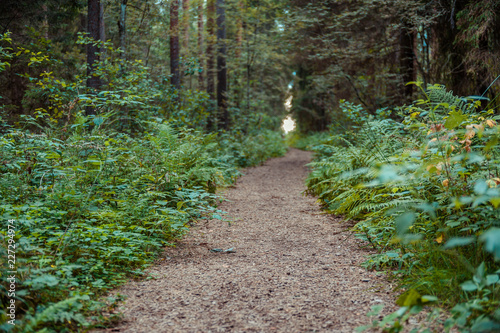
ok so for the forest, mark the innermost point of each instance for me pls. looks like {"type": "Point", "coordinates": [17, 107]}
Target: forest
{"type": "Point", "coordinates": [120, 120]}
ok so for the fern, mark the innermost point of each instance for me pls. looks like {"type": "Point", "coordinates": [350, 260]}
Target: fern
{"type": "Point", "coordinates": [439, 95]}
{"type": "Point", "coordinates": [61, 312]}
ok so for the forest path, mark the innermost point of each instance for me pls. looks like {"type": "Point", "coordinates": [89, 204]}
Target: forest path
{"type": "Point", "coordinates": [294, 269]}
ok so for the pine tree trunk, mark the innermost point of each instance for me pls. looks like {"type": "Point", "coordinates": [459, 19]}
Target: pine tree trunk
{"type": "Point", "coordinates": [102, 27]}
{"type": "Point", "coordinates": [185, 38]}
{"type": "Point", "coordinates": [407, 61]}
{"type": "Point", "coordinates": [93, 28]}
{"type": "Point", "coordinates": [200, 44]}
{"type": "Point", "coordinates": [237, 55]}
{"type": "Point", "coordinates": [45, 22]}
{"type": "Point", "coordinates": [174, 44]}
{"type": "Point", "coordinates": [239, 33]}
{"type": "Point", "coordinates": [185, 26]}
{"type": "Point", "coordinates": [221, 66]}
{"type": "Point", "coordinates": [122, 28]}
{"type": "Point", "coordinates": [211, 48]}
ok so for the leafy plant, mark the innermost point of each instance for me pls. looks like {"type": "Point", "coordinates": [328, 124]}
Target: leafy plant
{"type": "Point", "coordinates": [424, 192]}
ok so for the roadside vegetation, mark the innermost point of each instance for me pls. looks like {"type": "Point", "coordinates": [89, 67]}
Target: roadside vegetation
{"type": "Point", "coordinates": [95, 197]}
{"type": "Point", "coordinates": [422, 183]}
{"type": "Point", "coordinates": [119, 119]}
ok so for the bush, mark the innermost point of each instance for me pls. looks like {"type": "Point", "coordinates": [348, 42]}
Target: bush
{"type": "Point", "coordinates": [424, 192]}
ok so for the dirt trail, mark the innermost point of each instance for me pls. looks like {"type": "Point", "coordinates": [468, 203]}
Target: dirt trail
{"type": "Point", "coordinates": [294, 269]}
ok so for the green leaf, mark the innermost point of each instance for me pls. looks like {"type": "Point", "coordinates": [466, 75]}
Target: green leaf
{"type": "Point", "coordinates": [480, 187]}
{"type": "Point", "coordinates": [375, 310]}
{"type": "Point", "coordinates": [478, 98]}
{"type": "Point", "coordinates": [459, 241]}
{"type": "Point", "coordinates": [43, 281]}
{"type": "Point", "coordinates": [408, 299]}
{"type": "Point", "coordinates": [492, 279]}
{"type": "Point", "coordinates": [454, 119]}
{"type": "Point", "coordinates": [98, 121]}
{"type": "Point", "coordinates": [491, 239]}
{"type": "Point", "coordinates": [404, 221]}
{"type": "Point", "coordinates": [469, 286]}
{"type": "Point", "coordinates": [429, 298]}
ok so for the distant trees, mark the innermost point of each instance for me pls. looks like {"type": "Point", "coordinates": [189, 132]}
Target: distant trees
{"type": "Point", "coordinates": [175, 79]}
{"type": "Point", "coordinates": [122, 27]}
{"type": "Point", "coordinates": [211, 41]}
{"type": "Point", "coordinates": [229, 49]}
{"type": "Point", "coordinates": [366, 51]}
{"type": "Point", "coordinates": [222, 66]}
{"type": "Point", "coordinates": [95, 31]}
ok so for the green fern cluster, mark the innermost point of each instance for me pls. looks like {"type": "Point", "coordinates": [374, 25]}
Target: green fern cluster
{"type": "Point", "coordinates": [439, 95]}
{"type": "Point", "coordinates": [425, 194]}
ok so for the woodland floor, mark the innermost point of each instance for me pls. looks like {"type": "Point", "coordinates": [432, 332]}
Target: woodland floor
{"type": "Point", "coordinates": [295, 269]}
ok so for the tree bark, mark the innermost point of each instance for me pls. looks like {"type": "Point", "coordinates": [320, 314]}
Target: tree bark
{"type": "Point", "coordinates": [239, 33]}
{"type": "Point", "coordinates": [45, 22]}
{"type": "Point", "coordinates": [221, 66]}
{"type": "Point", "coordinates": [185, 26]}
{"type": "Point", "coordinates": [211, 48]}
{"type": "Point", "coordinates": [122, 28]}
{"type": "Point", "coordinates": [102, 27]}
{"type": "Point", "coordinates": [200, 44]}
{"type": "Point", "coordinates": [93, 29]}
{"type": "Point", "coordinates": [174, 44]}
{"type": "Point", "coordinates": [407, 61]}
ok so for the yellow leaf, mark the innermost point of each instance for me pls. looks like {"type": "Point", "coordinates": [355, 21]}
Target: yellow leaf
{"type": "Point", "coordinates": [491, 122]}
{"type": "Point", "coordinates": [439, 240]}
{"type": "Point", "coordinates": [495, 202]}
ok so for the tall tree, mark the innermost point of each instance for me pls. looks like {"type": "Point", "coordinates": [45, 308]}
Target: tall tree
{"type": "Point", "coordinates": [185, 26]}
{"type": "Point", "coordinates": [221, 66]}
{"type": "Point", "coordinates": [174, 44]}
{"type": "Point", "coordinates": [102, 26]}
{"type": "Point", "coordinates": [200, 44]}
{"type": "Point", "coordinates": [122, 27]}
{"type": "Point", "coordinates": [94, 31]}
{"type": "Point", "coordinates": [211, 48]}
{"type": "Point", "coordinates": [407, 60]}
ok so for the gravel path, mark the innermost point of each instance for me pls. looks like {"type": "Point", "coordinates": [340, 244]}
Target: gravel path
{"type": "Point", "coordinates": [294, 269]}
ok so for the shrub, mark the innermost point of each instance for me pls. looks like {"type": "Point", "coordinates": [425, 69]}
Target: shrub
{"type": "Point", "coordinates": [424, 192]}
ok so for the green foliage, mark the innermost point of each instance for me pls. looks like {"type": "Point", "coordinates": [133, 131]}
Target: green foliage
{"type": "Point", "coordinates": [93, 195]}
{"type": "Point", "coordinates": [87, 204]}
{"type": "Point", "coordinates": [425, 195]}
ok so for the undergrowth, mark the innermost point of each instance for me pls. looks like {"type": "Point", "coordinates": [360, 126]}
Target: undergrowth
{"type": "Point", "coordinates": [424, 192]}
{"type": "Point", "coordinates": [88, 202]}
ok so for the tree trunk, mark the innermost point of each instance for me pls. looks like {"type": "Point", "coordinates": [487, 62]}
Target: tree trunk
{"type": "Point", "coordinates": [45, 22]}
{"type": "Point", "coordinates": [407, 64]}
{"type": "Point", "coordinates": [200, 44]}
{"type": "Point", "coordinates": [185, 26]}
{"type": "Point", "coordinates": [211, 48]}
{"type": "Point", "coordinates": [174, 44]}
{"type": "Point", "coordinates": [185, 39]}
{"type": "Point", "coordinates": [239, 33]}
{"type": "Point", "coordinates": [102, 27]}
{"type": "Point", "coordinates": [122, 28]}
{"type": "Point", "coordinates": [237, 63]}
{"type": "Point", "coordinates": [221, 66]}
{"type": "Point", "coordinates": [93, 28]}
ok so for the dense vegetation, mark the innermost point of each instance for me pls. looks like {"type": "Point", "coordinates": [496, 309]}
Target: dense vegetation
{"type": "Point", "coordinates": [101, 169]}
{"type": "Point", "coordinates": [120, 118]}
{"type": "Point", "coordinates": [424, 192]}
{"type": "Point", "coordinates": [415, 165]}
